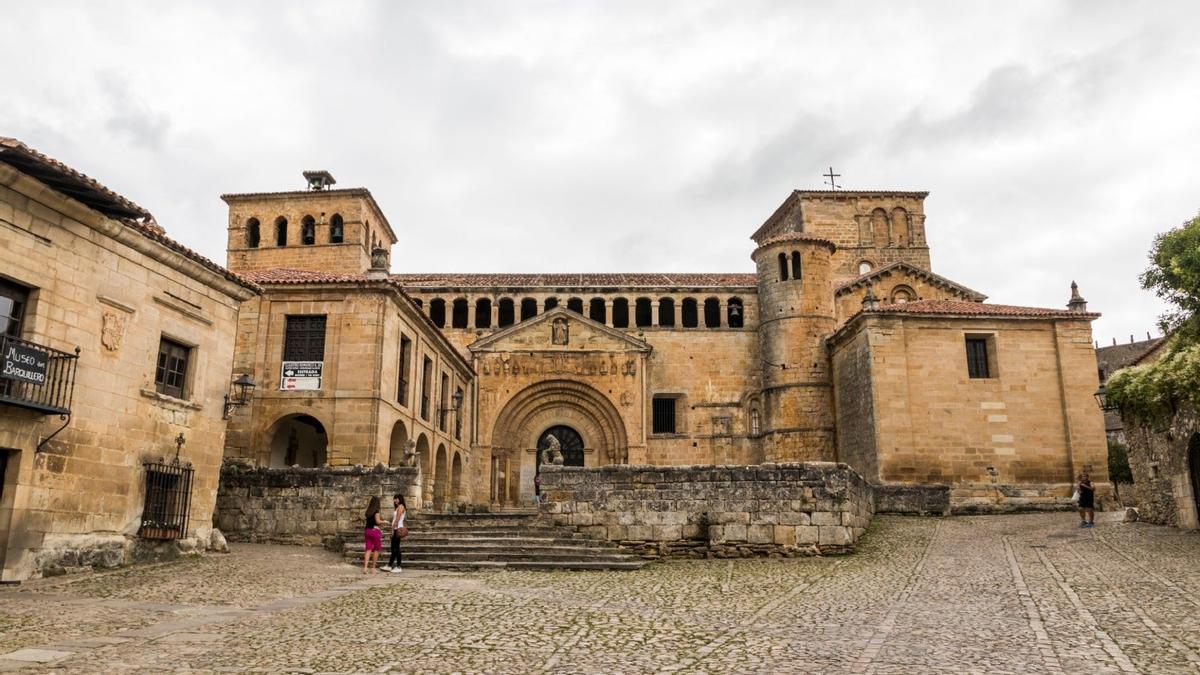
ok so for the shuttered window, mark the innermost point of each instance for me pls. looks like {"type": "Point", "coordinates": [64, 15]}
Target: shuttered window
{"type": "Point", "coordinates": [977, 358]}
{"type": "Point", "coordinates": [304, 338]}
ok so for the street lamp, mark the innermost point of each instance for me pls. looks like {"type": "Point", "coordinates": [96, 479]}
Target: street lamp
{"type": "Point", "coordinates": [1102, 399]}
{"type": "Point", "coordinates": [243, 387]}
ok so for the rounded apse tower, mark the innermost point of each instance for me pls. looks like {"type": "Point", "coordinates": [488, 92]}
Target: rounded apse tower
{"type": "Point", "coordinates": [796, 313]}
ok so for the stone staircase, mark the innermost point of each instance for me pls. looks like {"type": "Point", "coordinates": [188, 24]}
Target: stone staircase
{"type": "Point", "coordinates": [513, 539]}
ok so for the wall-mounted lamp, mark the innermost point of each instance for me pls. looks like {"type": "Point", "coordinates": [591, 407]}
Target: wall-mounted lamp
{"type": "Point", "coordinates": [243, 387]}
{"type": "Point", "coordinates": [1102, 399]}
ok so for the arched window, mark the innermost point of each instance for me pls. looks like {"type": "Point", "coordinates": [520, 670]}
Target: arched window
{"type": "Point", "coordinates": [483, 313]}
{"type": "Point", "coordinates": [596, 310]}
{"type": "Point", "coordinates": [437, 312]}
{"type": "Point", "coordinates": [252, 233]}
{"type": "Point", "coordinates": [575, 305]}
{"type": "Point", "coordinates": [666, 312]}
{"type": "Point", "coordinates": [308, 231]}
{"type": "Point", "coordinates": [712, 313]}
{"type": "Point", "coordinates": [734, 312]}
{"type": "Point", "coordinates": [458, 313]}
{"type": "Point", "coordinates": [641, 312]}
{"type": "Point", "coordinates": [458, 396]}
{"type": "Point", "coordinates": [899, 227]}
{"type": "Point", "coordinates": [528, 308]}
{"type": "Point", "coordinates": [755, 421]}
{"type": "Point", "coordinates": [281, 231]}
{"type": "Point", "coordinates": [783, 263]}
{"type": "Point", "coordinates": [795, 264]}
{"type": "Point", "coordinates": [506, 312]}
{"type": "Point", "coordinates": [620, 309]}
{"type": "Point", "coordinates": [691, 314]}
{"type": "Point", "coordinates": [866, 233]}
{"type": "Point", "coordinates": [902, 294]}
{"type": "Point", "coordinates": [879, 227]}
{"type": "Point", "coordinates": [337, 229]}
{"type": "Point", "coordinates": [865, 267]}
{"type": "Point", "coordinates": [550, 304]}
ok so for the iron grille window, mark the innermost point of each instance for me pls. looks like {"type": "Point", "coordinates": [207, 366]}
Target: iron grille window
{"type": "Point", "coordinates": [304, 338]}
{"type": "Point", "coordinates": [170, 375]}
{"type": "Point", "coordinates": [405, 357]}
{"type": "Point", "coordinates": [664, 415]}
{"type": "Point", "coordinates": [977, 358]}
{"type": "Point", "coordinates": [168, 500]}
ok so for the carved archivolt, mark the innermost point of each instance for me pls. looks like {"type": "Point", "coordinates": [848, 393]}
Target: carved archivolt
{"type": "Point", "coordinates": [545, 404]}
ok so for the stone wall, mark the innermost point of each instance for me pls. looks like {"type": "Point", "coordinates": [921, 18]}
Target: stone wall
{"type": "Point", "coordinates": [114, 291]}
{"type": "Point", "coordinates": [1014, 440]}
{"type": "Point", "coordinates": [722, 511]}
{"type": "Point", "coordinates": [1162, 474]}
{"type": "Point", "coordinates": [303, 506]}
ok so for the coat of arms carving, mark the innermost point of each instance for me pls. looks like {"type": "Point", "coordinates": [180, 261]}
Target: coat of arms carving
{"type": "Point", "coordinates": [113, 331]}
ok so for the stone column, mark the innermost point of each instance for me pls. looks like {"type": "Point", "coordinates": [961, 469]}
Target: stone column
{"type": "Point", "coordinates": [608, 312]}
{"type": "Point", "coordinates": [470, 313]}
{"type": "Point", "coordinates": [494, 319]}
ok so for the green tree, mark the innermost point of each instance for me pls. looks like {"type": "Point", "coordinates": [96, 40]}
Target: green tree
{"type": "Point", "coordinates": [1118, 466]}
{"type": "Point", "coordinates": [1174, 276]}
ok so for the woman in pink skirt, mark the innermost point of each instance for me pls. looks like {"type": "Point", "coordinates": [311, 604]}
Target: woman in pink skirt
{"type": "Point", "coordinates": [372, 537]}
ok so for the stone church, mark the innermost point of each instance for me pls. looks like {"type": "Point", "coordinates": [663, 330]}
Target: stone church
{"type": "Point", "coordinates": [839, 344]}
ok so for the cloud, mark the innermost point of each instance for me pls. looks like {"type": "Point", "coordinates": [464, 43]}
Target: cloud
{"type": "Point", "coordinates": [1055, 137]}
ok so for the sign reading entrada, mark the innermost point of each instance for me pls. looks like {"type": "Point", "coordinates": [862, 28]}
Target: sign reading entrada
{"type": "Point", "coordinates": [24, 364]}
{"type": "Point", "coordinates": [300, 375]}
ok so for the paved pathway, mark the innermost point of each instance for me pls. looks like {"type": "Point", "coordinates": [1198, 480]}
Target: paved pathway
{"type": "Point", "coordinates": [1001, 594]}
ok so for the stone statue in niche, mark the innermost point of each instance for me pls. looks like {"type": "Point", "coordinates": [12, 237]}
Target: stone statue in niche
{"type": "Point", "coordinates": [559, 332]}
{"type": "Point", "coordinates": [113, 331]}
{"type": "Point", "coordinates": [552, 452]}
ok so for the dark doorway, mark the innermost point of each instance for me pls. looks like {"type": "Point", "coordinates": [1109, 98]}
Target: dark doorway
{"type": "Point", "coordinates": [571, 442]}
{"type": "Point", "coordinates": [1194, 470]}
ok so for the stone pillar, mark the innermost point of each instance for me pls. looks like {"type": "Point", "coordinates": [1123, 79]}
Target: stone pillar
{"type": "Point", "coordinates": [608, 312]}
{"type": "Point", "coordinates": [470, 313]}
{"type": "Point", "coordinates": [494, 318]}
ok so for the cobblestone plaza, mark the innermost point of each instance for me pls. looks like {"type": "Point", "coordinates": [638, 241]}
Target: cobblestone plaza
{"type": "Point", "coordinates": [995, 594]}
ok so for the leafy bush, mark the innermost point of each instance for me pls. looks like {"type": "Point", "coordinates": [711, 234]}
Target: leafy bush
{"type": "Point", "coordinates": [1118, 463]}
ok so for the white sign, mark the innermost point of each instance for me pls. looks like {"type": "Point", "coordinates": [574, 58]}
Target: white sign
{"type": "Point", "coordinates": [300, 375]}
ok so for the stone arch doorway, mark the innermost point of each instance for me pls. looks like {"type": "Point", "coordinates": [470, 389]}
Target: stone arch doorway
{"type": "Point", "coordinates": [425, 468]}
{"type": "Point", "coordinates": [456, 478]}
{"type": "Point", "coordinates": [397, 447]}
{"type": "Point", "coordinates": [523, 422]}
{"type": "Point", "coordinates": [569, 441]}
{"type": "Point", "coordinates": [441, 482]}
{"type": "Point", "coordinates": [297, 440]}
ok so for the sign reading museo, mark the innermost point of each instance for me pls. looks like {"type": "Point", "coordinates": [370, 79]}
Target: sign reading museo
{"type": "Point", "coordinates": [300, 375]}
{"type": "Point", "coordinates": [24, 364]}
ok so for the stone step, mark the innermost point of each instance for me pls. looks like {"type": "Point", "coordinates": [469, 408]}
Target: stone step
{"type": "Point", "coordinates": [522, 565]}
{"type": "Point", "coordinates": [480, 532]}
{"type": "Point", "coordinates": [466, 557]}
{"type": "Point", "coordinates": [413, 542]}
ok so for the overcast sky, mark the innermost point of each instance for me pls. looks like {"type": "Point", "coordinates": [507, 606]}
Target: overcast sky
{"type": "Point", "coordinates": [1055, 138]}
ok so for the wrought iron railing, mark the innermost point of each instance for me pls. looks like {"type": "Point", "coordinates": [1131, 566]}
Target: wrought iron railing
{"type": "Point", "coordinates": [168, 500]}
{"type": "Point", "coordinates": [36, 377]}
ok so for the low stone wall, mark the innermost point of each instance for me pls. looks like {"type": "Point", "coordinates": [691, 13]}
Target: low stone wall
{"type": "Point", "coordinates": [714, 511]}
{"type": "Point", "coordinates": [303, 506]}
{"type": "Point", "coordinates": [918, 500]}
{"type": "Point", "coordinates": [979, 498]}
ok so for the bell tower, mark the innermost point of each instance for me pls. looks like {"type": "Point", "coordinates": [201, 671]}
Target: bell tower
{"type": "Point", "coordinates": [321, 229]}
{"type": "Point", "coordinates": [796, 313]}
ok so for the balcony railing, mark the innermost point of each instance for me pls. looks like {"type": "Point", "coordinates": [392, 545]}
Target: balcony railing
{"type": "Point", "coordinates": [36, 377]}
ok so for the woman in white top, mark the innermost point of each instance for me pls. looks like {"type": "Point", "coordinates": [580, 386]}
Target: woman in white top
{"type": "Point", "coordinates": [398, 532]}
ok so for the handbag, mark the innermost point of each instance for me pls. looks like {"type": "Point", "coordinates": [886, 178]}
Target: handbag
{"type": "Point", "coordinates": [402, 532]}
{"type": "Point", "coordinates": [1075, 497]}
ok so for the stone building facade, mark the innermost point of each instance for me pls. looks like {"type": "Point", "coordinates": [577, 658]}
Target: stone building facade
{"type": "Point", "coordinates": [117, 345]}
{"type": "Point", "coordinates": [926, 385]}
{"type": "Point", "coordinates": [352, 371]}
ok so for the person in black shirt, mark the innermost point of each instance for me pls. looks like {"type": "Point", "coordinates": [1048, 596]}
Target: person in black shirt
{"type": "Point", "coordinates": [372, 536]}
{"type": "Point", "coordinates": [1087, 500]}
